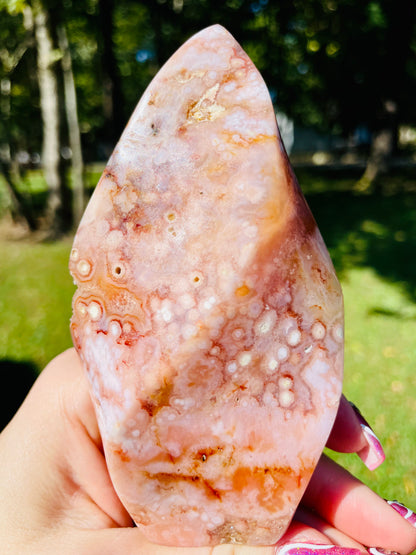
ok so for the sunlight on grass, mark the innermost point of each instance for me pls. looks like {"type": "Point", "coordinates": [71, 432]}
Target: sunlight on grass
{"type": "Point", "coordinates": [380, 350]}
{"type": "Point", "coordinates": [35, 301]}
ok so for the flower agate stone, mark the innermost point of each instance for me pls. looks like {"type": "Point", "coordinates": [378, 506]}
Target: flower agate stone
{"type": "Point", "coordinates": [208, 315]}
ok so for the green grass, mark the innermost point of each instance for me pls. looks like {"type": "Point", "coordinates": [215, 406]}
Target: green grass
{"type": "Point", "coordinates": [35, 301]}
{"type": "Point", "coordinates": [380, 378]}
{"type": "Point", "coordinates": [372, 240]}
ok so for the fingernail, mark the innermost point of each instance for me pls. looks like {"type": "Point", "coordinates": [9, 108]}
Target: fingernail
{"type": "Point", "coordinates": [381, 551]}
{"type": "Point", "coordinates": [372, 455]}
{"type": "Point", "coordinates": [313, 549]}
{"type": "Point", "coordinates": [403, 511]}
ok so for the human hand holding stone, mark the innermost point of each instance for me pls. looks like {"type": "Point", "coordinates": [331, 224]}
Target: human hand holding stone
{"type": "Point", "coordinates": [209, 318]}
{"type": "Point", "coordinates": [57, 496]}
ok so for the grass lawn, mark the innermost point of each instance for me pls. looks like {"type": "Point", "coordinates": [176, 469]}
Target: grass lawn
{"type": "Point", "coordinates": [35, 301]}
{"type": "Point", "coordinates": [372, 240]}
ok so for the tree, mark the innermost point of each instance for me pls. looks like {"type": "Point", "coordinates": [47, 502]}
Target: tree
{"type": "Point", "coordinates": [332, 64]}
{"type": "Point", "coordinates": [112, 91]}
{"type": "Point", "coordinates": [46, 35]}
{"type": "Point", "coordinates": [49, 103]}
{"type": "Point", "coordinates": [357, 66]}
{"type": "Point", "coordinates": [392, 82]}
{"type": "Point", "coordinates": [71, 112]}
{"type": "Point", "coordinates": [17, 39]}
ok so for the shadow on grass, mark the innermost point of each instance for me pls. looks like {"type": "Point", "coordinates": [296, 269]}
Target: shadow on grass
{"type": "Point", "coordinates": [18, 378]}
{"type": "Point", "coordinates": [376, 230]}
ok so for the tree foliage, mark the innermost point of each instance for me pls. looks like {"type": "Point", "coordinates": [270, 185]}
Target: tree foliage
{"type": "Point", "coordinates": [332, 64]}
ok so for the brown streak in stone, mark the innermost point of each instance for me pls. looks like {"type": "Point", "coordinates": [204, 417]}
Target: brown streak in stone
{"type": "Point", "coordinates": [170, 479]}
{"type": "Point", "coordinates": [321, 273]}
{"type": "Point", "coordinates": [158, 400]}
{"type": "Point", "coordinates": [204, 454]}
{"type": "Point", "coordinates": [148, 407]}
{"type": "Point", "coordinates": [214, 492]}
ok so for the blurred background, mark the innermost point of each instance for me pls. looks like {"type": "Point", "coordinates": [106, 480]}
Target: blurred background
{"type": "Point", "coordinates": [342, 76]}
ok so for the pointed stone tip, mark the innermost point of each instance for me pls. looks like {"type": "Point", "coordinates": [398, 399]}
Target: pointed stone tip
{"type": "Point", "coordinates": [215, 30]}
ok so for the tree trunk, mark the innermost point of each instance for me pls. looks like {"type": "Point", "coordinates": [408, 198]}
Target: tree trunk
{"type": "Point", "coordinates": [48, 90]}
{"type": "Point", "coordinates": [401, 18]}
{"type": "Point", "coordinates": [20, 205]}
{"type": "Point", "coordinates": [71, 111]}
{"type": "Point", "coordinates": [112, 91]}
{"type": "Point", "coordinates": [383, 145]}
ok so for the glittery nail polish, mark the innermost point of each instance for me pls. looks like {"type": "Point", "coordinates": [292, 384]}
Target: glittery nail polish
{"type": "Point", "coordinates": [372, 455]}
{"type": "Point", "coordinates": [314, 549]}
{"type": "Point", "coordinates": [403, 511]}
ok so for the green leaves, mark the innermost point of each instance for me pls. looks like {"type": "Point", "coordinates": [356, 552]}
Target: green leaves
{"type": "Point", "coordinates": [13, 7]}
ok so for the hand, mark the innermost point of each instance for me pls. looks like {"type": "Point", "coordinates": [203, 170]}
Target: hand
{"type": "Point", "coordinates": [57, 496]}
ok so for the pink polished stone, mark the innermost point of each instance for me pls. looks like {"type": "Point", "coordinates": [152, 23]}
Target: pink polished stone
{"type": "Point", "coordinates": [208, 314]}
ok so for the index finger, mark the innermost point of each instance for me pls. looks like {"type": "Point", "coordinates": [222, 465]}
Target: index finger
{"type": "Point", "coordinates": [351, 433]}
{"type": "Point", "coordinates": [350, 506]}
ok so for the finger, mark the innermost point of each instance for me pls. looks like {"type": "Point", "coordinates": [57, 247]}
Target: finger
{"type": "Point", "coordinates": [130, 541]}
{"type": "Point", "coordinates": [302, 538]}
{"type": "Point", "coordinates": [351, 433]}
{"type": "Point", "coordinates": [302, 532]}
{"type": "Point", "coordinates": [68, 375]}
{"type": "Point", "coordinates": [346, 435]}
{"type": "Point", "coordinates": [337, 537]}
{"type": "Point", "coordinates": [82, 433]}
{"type": "Point", "coordinates": [63, 437]}
{"type": "Point", "coordinates": [351, 507]}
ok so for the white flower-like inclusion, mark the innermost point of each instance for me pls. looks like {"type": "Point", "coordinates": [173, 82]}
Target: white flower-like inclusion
{"type": "Point", "coordinates": [282, 353]}
{"type": "Point", "coordinates": [115, 328]}
{"type": "Point", "coordinates": [166, 311]}
{"type": "Point", "coordinates": [84, 268]}
{"type": "Point", "coordinates": [285, 382]}
{"type": "Point", "coordinates": [286, 396]}
{"type": "Point", "coordinates": [244, 358]}
{"type": "Point", "coordinates": [232, 367]}
{"type": "Point", "coordinates": [272, 364]}
{"type": "Point", "coordinates": [81, 308]}
{"type": "Point", "coordinates": [95, 311]}
{"type": "Point", "coordinates": [318, 330]}
{"type": "Point", "coordinates": [128, 327]}
{"type": "Point", "coordinates": [238, 333]}
{"type": "Point", "coordinates": [294, 337]}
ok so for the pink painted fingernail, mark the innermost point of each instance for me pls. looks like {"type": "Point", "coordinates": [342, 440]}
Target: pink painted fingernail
{"type": "Point", "coordinates": [372, 455]}
{"type": "Point", "coordinates": [312, 549]}
{"type": "Point", "coordinates": [403, 511]}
